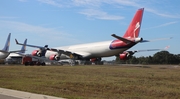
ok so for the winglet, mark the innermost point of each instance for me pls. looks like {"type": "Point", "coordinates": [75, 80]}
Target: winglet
{"type": "Point", "coordinates": [167, 47]}
{"type": "Point", "coordinates": [16, 41]}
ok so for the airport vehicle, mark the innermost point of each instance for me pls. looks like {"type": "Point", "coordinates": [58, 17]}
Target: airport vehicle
{"type": "Point", "coordinates": [28, 60]}
{"type": "Point", "coordinates": [95, 51]}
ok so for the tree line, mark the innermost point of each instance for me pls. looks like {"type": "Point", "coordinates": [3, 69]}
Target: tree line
{"type": "Point", "coordinates": [162, 57]}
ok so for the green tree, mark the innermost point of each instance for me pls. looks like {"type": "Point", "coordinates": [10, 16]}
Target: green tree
{"type": "Point", "coordinates": [164, 57]}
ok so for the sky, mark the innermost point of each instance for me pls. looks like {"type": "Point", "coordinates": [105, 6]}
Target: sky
{"type": "Point", "coordinates": [67, 22]}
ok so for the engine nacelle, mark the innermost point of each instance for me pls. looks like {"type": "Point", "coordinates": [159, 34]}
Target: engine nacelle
{"type": "Point", "coordinates": [123, 56]}
{"type": "Point", "coordinates": [54, 57]}
{"type": "Point", "coordinates": [36, 53]}
{"type": "Point", "coordinates": [95, 59]}
{"type": "Point", "coordinates": [126, 55]}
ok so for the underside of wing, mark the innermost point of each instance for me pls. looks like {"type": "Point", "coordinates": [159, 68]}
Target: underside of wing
{"type": "Point", "coordinates": [72, 54]}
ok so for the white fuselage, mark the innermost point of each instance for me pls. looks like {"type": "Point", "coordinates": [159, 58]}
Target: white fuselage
{"type": "Point", "coordinates": [3, 55]}
{"type": "Point", "coordinates": [12, 55]}
{"type": "Point", "coordinates": [90, 50]}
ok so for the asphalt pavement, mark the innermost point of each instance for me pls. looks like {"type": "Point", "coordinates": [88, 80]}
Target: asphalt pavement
{"type": "Point", "coordinates": [15, 94]}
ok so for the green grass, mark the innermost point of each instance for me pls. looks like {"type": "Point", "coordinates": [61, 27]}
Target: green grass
{"type": "Point", "coordinates": [95, 82]}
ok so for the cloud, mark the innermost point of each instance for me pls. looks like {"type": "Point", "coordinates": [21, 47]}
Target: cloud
{"type": "Point", "coordinates": [57, 3]}
{"type": "Point", "coordinates": [138, 4]}
{"type": "Point", "coordinates": [53, 36]}
{"type": "Point", "coordinates": [90, 8]}
{"type": "Point", "coordinates": [166, 24]}
{"type": "Point", "coordinates": [43, 32]}
{"type": "Point", "coordinates": [85, 3]}
{"type": "Point", "coordinates": [96, 5]}
{"type": "Point", "coordinates": [99, 14]}
{"type": "Point", "coordinates": [25, 27]}
{"type": "Point", "coordinates": [51, 2]}
{"type": "Point", "coordinates": [162, 14]}
{"type": "Point", "coordinates": [162, 25]}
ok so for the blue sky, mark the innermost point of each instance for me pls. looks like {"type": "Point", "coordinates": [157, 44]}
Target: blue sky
{"type": "Point", "coordinates": [67, 22]}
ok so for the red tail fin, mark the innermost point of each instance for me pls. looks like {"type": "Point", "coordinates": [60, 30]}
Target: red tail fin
{"type": "Point", "coordinates": [134, 28]}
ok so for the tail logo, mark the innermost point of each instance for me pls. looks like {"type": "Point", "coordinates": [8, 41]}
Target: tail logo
{"type": "Point", "coordinates": [7, 47]}
{"type": "Point", "coordinates": [136, 27]}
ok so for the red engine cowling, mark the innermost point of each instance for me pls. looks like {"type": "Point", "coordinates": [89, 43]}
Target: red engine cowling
{"type": "Point", "coordinates": [36, 53]}
{"type": "Point", "coordinates": [95, 59]}
{"type": "Point", "coordinates": [124, 56]}
{"type": "Point", "coordinates": [54, 57]}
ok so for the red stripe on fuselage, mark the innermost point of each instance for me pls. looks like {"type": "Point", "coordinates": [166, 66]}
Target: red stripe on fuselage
{"type": "Point", "coordinates": [116, 44]}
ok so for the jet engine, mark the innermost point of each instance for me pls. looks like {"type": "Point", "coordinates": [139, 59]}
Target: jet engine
{"type": "Point", "coordinates": [126, 55]}
{"type": "Point", "coordinates": [95, 59]}
{"type": "Point", "coordinates": [54, 57]}
{"type": "Point", "coordinates": [36, 53]}
{"type": "Point", "coordinates": [41, 51]}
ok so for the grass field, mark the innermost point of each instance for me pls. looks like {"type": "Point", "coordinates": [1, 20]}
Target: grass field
{"type": "Point", "coordinates": [95, 82]}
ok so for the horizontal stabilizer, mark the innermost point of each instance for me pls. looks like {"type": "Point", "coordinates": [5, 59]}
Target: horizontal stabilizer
{"type": "Point", "coordinates": [122, 39]}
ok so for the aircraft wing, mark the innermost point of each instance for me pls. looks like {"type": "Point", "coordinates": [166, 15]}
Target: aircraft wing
{"type": "Point", "coordinates": [16, 51]}
{"type": "Point", "coordinates": [143, 41]}
{"type": "Point", "coordinates": [31, 45]}
{"type": "Point", "coordinates": [71, 54]}
{"type": "Point", "coordinates": [11, 51]}
{"type": "Point", "coordinates": [65, 52]}
{"type": "Point", "coordinates": [133, 52]}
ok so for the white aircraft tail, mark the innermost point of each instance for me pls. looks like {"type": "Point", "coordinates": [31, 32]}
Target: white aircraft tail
{"type": "Point", "coordinates": [7, 44]}
{"type": "Point", "coordinates": [23, 49]}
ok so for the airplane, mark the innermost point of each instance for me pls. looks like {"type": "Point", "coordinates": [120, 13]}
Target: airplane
{"type": "Point", "coordinates": [16, 57]}
{"type": "Point", "coordinates": [95, 51]}
{"type": "Point", "coordinates": [4, 53]}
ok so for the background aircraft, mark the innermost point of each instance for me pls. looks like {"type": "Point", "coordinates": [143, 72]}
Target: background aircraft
{"type": "Point", "coordinates": [4, 53]}
{"type": "Point", "coordinates": [16, 57]}
{"type": "Point", "coordinates": [95, 51]}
